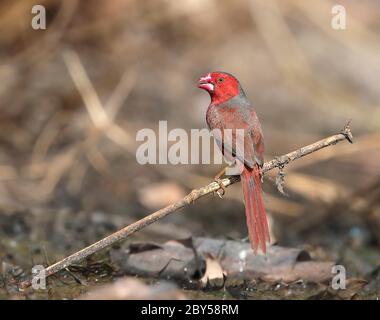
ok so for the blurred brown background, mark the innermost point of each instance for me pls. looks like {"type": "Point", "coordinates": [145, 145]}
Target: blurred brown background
{"type": "Point", "coordinates": [68, 172]}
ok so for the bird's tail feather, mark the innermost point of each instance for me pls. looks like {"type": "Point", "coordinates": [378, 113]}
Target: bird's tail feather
{"type": "Point", "coordinates": [257, 224]}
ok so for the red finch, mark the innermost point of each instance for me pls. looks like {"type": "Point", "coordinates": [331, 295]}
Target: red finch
{"type": "Point", "coordinates": [230, 109]}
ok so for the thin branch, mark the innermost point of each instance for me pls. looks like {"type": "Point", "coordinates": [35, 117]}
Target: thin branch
{"type": "Point", "coordinates": [194, 195]}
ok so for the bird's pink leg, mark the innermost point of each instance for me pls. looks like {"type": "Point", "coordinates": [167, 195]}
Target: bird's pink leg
{"type": "Point", "coordinates": [219, 182]}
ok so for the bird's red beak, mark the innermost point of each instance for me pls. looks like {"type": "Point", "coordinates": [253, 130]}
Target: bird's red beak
{"type": "Point", "coordinates": [205, 83]}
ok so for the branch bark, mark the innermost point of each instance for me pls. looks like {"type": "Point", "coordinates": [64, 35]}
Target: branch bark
{"type": "Point", "coordinates": [122, 234]}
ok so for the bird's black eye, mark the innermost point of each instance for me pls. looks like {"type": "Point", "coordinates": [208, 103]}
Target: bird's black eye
{"type": "Point", "coordinates": [220, 80]}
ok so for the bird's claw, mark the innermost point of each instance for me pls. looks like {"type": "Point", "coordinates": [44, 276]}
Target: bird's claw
{"type": "Point", "coordinates": [222, 189]}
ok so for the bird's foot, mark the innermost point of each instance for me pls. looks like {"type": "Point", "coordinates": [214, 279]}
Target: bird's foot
{"type": "Point", "coordinates": [222, 189]}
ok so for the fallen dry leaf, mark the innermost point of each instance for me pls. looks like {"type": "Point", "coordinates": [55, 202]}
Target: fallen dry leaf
{"type": "Point", "coordinates": [160, 195]}
{"type": "Point", "coordinates": [190, 261]}
{"type": "Point", "coordinates": [134, 289]}
{"type": "Point", "coordinates": [214, 275]}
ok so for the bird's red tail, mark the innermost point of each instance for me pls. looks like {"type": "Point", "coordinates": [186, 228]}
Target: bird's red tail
{"type": "Point", "coordinates": [254, 209]}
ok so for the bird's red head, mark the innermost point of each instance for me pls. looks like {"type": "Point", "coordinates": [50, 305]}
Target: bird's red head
{"type": "Point", "coordinates": [220, 85]}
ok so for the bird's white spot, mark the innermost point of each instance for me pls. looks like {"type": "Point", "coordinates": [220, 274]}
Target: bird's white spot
{"type": "Point", "coordinates": [206, 78]}
{"type": "Point", "coordinates": [242, 260]}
